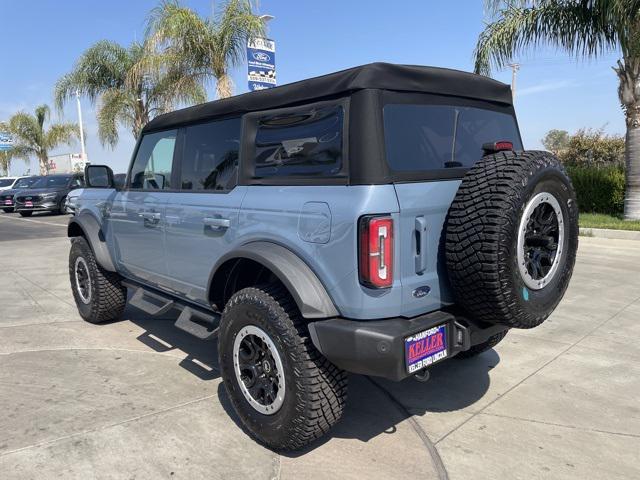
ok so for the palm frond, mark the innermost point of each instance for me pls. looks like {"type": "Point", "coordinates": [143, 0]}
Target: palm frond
{"type": "Point", "coordinates": [61, 133]}
{"type": "Point", "coordinates": [25, 130]}
{"type": "Point", "coordinates": [116, 107]}
{"type": "Point", "coordinates": [102, 66]}
{"type": "Point", "coordinates": [582, 28]}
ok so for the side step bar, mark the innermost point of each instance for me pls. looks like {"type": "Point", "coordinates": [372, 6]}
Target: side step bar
{"type": "Point", "coordinates": [193, 320]}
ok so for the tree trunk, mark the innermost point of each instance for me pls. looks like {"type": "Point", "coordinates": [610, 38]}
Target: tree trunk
{"type": "Point", "coordinates": [629, 93]}
{"type": "Point", "coordinates": [632, 161]}
{"type": "Point", "coordinates": [224, 86]}
{"type": "Point", "coordinates": [44, 165]}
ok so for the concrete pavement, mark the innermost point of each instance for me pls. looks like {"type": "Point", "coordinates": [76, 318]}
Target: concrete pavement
{"type": "Point", "coordinates": [140, 399]}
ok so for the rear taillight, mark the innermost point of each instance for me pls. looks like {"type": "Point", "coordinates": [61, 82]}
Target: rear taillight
{"type": "Point", "coordinates": [376, 251]}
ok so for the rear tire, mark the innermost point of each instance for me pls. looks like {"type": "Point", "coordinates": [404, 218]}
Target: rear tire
{"type": "Point", "coordinates": [482, 347]}
{"type": "Point", "coordinates": [7, 210]}
{"type": "Point", "coordinates": [25, 213]}
{"type": "Point", "coordinates": [99, 294]}
{"type": "Point", "coordinates": [303, 401]}
{"type": "Point", "coordinates": [512, 238]}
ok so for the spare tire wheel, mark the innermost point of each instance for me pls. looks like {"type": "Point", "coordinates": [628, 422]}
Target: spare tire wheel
{"type": "Point", "coordinates": [512, 237]}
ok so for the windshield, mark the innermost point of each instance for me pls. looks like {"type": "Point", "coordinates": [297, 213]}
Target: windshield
{"type": "Point", "coordinates": [6, 182]}
{"type": "Point", "coordinates": [25, 182]}
{"type": "Point", "coordinates": [51, 182]}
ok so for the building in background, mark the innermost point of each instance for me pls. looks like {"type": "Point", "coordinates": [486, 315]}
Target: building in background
{"type": "Point", "coordinates": [67, 163]}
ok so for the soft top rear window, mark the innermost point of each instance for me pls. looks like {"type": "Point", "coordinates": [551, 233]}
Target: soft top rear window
{"type": "Point", "coordinates": [306, 142]}
{"type": "Point", "coordinates": [440, 137]}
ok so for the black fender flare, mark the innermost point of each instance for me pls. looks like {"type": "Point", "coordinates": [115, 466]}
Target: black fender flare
{"type": "Point", "coordinates": [302, 283]}
{"type": "Point", "coordinates": [90, 228]}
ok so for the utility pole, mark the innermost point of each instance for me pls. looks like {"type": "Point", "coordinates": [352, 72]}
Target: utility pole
{"type": "Point", "coordinates": [514, 73]}
{"type": "Point", "coordinates": [84, 153]}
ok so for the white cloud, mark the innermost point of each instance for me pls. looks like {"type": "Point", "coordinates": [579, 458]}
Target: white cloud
{"type": "Point", "coordinates": [545, 87]}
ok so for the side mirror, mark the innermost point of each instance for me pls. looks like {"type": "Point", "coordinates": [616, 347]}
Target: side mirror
{"type": "Point", "coordinates": [98, 176]}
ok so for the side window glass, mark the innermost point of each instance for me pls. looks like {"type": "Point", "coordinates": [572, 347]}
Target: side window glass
{"type": "Point", "coordinates": [305, 143]}
{"type": "Point", "coordinates": [210, 155]}
{"type": "Point", "coordinates": [152, 167]}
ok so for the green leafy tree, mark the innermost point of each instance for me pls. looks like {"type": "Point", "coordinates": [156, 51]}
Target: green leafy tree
{"type": "Point", "coordinates": [207, 47]}
{"type": "Point", "coordinates": [593, 148]}
{"type": "Point", "coordinates": [585, 28]}
{"type": "Point", "coordinates": [555, 140]}
{"type": "Point", "coordinates": [32, 139]}
{"type": "Point", "coordinates": [127, 94]}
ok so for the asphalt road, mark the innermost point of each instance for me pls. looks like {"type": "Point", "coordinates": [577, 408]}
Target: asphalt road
{"type": "Point", "coordinates": [40, 225]}
{"type": "Point", "coordinates": [138, 398]}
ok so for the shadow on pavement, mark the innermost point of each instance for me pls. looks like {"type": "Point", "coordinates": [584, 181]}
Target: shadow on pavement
{"type": "Point", "coordinates": [375, 406]}
{"type": "Point", "coordinates": [162, 336]}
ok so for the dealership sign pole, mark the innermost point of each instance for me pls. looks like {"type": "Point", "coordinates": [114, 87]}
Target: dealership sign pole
{"type": "Point", "coordinates": [261, 60]}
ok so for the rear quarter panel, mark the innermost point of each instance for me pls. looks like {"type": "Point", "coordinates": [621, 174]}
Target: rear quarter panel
{"type": "Point", "coordinates": [283, 215]}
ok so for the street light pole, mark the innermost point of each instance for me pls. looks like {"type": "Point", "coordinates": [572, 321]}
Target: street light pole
{"type": "Point", "coordinates": [84, 153]}
{"type": "Point", "coordinates": [514, 72]}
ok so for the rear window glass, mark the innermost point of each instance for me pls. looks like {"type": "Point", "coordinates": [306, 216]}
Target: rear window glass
{"type": "Point", "coordinates": [433, 137]}
{"type": "Point", "coordinates": [307, 142]}
{"type": "Point", "coordinates": [6, 182]}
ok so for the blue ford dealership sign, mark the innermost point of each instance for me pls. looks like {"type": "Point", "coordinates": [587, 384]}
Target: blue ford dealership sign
{"type": "Point", "coordinates": [261, 59]}
{"type": "Point", "coordinates": [6, 142]}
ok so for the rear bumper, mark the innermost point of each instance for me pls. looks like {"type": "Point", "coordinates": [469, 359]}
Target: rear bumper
{"type": "Point", "coordinates": [376, 347]}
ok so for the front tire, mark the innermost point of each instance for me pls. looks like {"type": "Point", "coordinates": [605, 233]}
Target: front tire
{"type": "Point", "coordinates": [99, 294]}
{"type": "Point", "coordinates": [284, 391]}
{"type": "Point", "coordinates": [7, 210]}
{"type": "Point", "coordinates": [26, 213]}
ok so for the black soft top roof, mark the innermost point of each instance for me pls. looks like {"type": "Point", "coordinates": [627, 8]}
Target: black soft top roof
{"type": "Point", "coordinates": [384, 76]}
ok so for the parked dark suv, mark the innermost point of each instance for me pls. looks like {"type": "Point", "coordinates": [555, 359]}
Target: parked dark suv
{"type": "Point", "coordinates": [47, 194]}
{"type": "Point", "coordinates": [7, 196]}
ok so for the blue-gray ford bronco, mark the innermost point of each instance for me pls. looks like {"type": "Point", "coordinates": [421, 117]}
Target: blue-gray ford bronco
{"type": "Point", "coordinates": [376, 220]}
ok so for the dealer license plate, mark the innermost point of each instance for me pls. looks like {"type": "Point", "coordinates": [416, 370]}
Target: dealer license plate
{"type": "Point", "coordinates": [425, 348]}
{"type": "Point", "coordinates": [28, 204]}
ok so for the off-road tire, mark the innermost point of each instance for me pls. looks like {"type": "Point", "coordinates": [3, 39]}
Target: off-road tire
{"type": "Point", "coordinates": [482, 347]}
{"type": "Point", "coordinates": [315, 389]}
{"type": "Point", "coordinates": [26, 213]}
{"type": "Point", "coordinates": [108, 296]}
{"type": "Point", "coordinates": [482, 235]}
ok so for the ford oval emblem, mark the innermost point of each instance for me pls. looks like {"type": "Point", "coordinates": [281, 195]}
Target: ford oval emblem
{"type": "Point", "coordinates": [421, 291]}
{"type": "Point", "coordinates": [261, 57]}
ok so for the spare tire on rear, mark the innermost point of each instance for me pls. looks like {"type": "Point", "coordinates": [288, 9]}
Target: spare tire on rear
{"type": "Point", "coordinates": [512, 237]}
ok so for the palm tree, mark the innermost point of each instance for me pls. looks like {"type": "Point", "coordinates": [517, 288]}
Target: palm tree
{"type": "Point", "coordinates": [32, 139]}
{"type": "Point", "coordinates": [208, 47]}
{"type": "Point", "coordinates": [5, 162]}
{"type": "Point", "coordinates": [585, 28]}
{"type": "Point", "coordinates": [127, 95]}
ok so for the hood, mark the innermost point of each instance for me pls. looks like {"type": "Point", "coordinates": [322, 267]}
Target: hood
{"type": "Point", "coordinates": [40, 191]}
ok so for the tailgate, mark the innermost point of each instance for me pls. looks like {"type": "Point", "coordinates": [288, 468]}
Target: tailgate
{"type": "Point", "coordinates": [423, 209]}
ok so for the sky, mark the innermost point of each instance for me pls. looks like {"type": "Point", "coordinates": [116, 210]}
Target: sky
{"type": "Point", "coordinates": [42, 39]}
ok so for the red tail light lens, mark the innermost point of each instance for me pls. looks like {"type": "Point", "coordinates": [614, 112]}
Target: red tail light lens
{"type": "Point", "coordinates": [376, 251]}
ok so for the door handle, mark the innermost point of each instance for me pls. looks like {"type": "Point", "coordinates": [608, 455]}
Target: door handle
{"type": "Point", "coordinates": [217, 222]}
{"type": "Point", "coordinates": [150, 218]}
{"type": "Point", "coordinates": [421, 244]}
